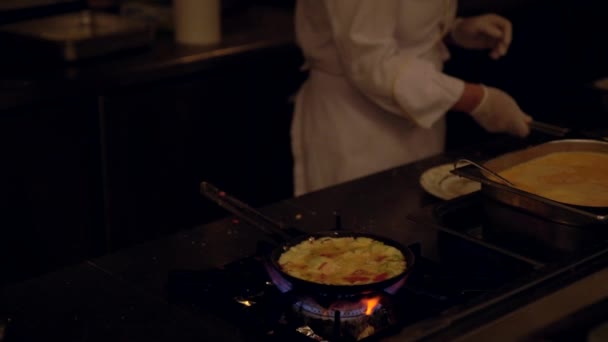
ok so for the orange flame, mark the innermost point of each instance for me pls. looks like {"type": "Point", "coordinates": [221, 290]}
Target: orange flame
{"type": "Point", "coordinates": [371, 304]}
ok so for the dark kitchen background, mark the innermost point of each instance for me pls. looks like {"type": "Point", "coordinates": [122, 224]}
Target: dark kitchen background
{"type": "Point", "coordinates": [108, 151]}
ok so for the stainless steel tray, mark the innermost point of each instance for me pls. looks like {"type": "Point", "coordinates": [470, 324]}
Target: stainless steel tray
{"type": "Point", "coordinates": [76, 35]}
{"type": "Point", "coordinates": [546, 208]}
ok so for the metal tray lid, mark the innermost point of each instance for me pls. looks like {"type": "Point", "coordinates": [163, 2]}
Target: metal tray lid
{"type": "Point", "coordinates": [76, 26]}
{"type": "Point", "coordinates": [76, 35]}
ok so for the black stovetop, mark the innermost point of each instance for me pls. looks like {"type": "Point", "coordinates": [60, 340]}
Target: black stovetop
{"type": "Point", "coordinates": [462, 265]}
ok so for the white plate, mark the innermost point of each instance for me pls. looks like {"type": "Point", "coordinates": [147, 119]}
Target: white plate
{"type": "Point", "coordinates": [440, 182]}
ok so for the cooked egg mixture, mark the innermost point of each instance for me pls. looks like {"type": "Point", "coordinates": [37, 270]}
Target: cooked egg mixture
{"type": "Point", "coordinates": [577, 178]}
{"type": "Point", "coordinates": [342, 261]}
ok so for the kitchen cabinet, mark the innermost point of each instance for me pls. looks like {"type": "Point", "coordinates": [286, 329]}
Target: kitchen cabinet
{"type": "Point", "coordinates": [228, 125]}
{"type": "Point", "coordinates": [96, 171]}
{"type": "Point", "coordinates": [50, 208]}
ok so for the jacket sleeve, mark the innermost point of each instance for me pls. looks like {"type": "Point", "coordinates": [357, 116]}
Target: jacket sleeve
{"type": "Point", "coordinates": [389, 75]}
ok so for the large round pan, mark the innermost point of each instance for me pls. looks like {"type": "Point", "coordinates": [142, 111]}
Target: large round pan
{"type": "Point", "coordinates": [328, 289]}
{"type": "Point", "coordinates": [287, 239]}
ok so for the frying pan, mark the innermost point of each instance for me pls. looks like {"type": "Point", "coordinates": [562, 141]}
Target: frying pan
{"type": "Point", "coordinates": [287, 237]}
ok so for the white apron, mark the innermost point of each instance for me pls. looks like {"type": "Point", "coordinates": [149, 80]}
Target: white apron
{"type": "Point", "coordinates": [376, 96]}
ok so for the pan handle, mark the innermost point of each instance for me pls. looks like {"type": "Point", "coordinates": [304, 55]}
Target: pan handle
{"type": "Point", "coordinates": [246, 213]}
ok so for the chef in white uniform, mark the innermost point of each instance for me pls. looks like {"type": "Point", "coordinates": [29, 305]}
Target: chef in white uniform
{"type": "Point", "coordinates": [376, 96]}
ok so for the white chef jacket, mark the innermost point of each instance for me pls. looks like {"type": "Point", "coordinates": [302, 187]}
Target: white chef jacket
{"type": "Point", "coordinates": [376, 95]}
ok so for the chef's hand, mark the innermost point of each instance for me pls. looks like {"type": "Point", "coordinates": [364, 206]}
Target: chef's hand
{"type": "Point", "coordinates": [488, 31]}
{"type": "Point", "coordinates": [499, 113]}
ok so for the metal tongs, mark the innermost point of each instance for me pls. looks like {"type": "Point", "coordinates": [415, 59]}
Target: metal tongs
{"type": "Point", "coordinates": [549, 129]}
{"type": "Point", "coordinates": [484, 168]}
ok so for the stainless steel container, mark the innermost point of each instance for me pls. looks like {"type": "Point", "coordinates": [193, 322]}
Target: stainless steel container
{"type": "Point", "coordinates": [548, 209]}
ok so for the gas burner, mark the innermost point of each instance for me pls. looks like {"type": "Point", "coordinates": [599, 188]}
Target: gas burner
{"type": "Point", "coordinates": [350, 319]}
{"type": "Point", "coordinates": [342, 309]}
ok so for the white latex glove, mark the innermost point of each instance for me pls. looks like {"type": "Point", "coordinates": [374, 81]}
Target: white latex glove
{"type": "Point", "coordinates": [499, 113]}
{"type": "Point", "coordinates": [488, 31]}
